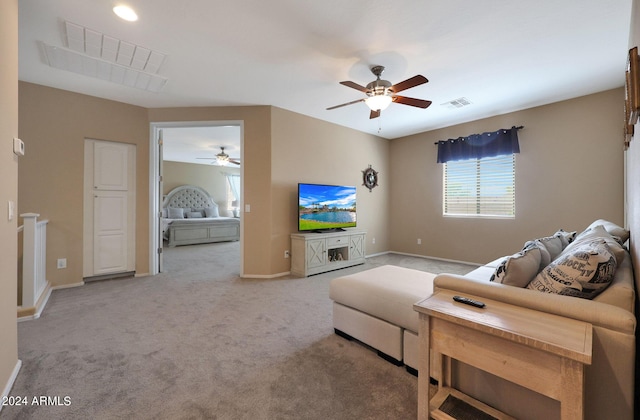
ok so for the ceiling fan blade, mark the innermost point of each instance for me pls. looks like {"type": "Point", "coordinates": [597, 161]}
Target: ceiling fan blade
{"type": "Point", "coordinates": [374, 114]}
{"type": "Point", "coordinates": [355, 86]}
{"type": "Point", "coordinates": [348, 103]}
{"type": "Point", "coordinates": [419, 103]}
{"type": "Point", "coordinates": [409, 83]}
{"type": "Point", "coordinates": [235, 162]}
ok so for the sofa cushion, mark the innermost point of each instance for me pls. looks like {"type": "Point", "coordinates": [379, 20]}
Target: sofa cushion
{"type": "Point", "coordinates": [583, 272]}
{"type": "Point", "coordinates": [387, 292]}
{"type": "Point", "coordinates": [519, 269]}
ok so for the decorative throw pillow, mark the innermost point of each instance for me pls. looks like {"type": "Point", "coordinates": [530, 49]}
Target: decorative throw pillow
{"type": "Point", "coordinates": [194, 215]}
{"type": "Point", "coordinates": [599, 232]}
{"type": "Point", "coordinates": [584, 272]}
{"type": "Point", "coordinates": [211, 212]}
{"type": "Point", "coordinates": [545, 257]}
{"type": "Point", "coordinates": [176, 213]}
{"type": "Point", "coordinates": [612, 228]}
{"type": "Point", "coordinates": [565, 237]}
{"type": "Point", "coordinates": [519, 269]}
{"type": "Point", "coordinates": [553, 245]}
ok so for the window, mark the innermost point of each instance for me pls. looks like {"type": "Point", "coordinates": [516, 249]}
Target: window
{"type": "Point", "coordinates": [480, 187]}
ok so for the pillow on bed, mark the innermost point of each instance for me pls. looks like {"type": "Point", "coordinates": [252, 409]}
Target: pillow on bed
{"type": "Point", "coordinates": [176, 213]}
{"type": "Point", "coordinates": [194, 215]}
{"type": "Point", "coordinates": [211, 212]}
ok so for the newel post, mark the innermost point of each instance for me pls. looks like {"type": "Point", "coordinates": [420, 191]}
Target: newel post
{"type": "Point", "coordinates": [29, 259]}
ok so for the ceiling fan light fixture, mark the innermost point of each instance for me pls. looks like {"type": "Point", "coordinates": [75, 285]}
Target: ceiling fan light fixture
{"type": "Point", "coordinates": [378, 102]}
{"type": "Point", "coordinates": [222, 158]}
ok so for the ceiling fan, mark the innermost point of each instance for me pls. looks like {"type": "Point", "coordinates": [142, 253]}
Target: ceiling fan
{"type": "Point", "coordinates": [380, 93]}
{"type": "Point", "coordinates": [222, 158]}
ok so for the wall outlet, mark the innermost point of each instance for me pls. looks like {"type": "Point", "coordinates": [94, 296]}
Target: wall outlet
{"type": "Point", "coordinates": [373, 241]}
{"type": "Point", "coordinates": [286, 254]}
{"type": "Point", "coordinates": [419, 241]}
{"type": "Point", "coordinates": [62, 263]}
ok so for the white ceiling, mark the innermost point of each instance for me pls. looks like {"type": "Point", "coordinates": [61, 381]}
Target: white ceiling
{"type": "Point", "coordinates": [200, 144]}
{"type": "Point", "coordinates": [502, 55]}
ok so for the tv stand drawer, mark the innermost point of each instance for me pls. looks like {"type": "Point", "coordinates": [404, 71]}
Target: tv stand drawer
{"type": "Point", "coordinates": [337, 241]}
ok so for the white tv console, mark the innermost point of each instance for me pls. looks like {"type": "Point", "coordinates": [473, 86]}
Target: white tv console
{"type": "Point", "coordinates": [315, 253]}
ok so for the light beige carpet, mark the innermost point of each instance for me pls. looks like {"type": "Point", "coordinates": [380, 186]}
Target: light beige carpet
{"type": "Point", "coordinates": [198, 342]}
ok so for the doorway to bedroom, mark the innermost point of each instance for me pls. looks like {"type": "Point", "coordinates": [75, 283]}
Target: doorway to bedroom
{"type": "Point", "coordinates": [205, 159]}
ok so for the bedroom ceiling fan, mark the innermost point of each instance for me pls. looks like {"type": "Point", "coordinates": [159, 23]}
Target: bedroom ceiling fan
{"type": "Point", "coordinates": [222, 158]}
{"type": "Point", "coordinates": [380, 93]}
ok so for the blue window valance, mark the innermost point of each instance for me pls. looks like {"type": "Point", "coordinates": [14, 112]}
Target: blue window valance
{"type": "Point", "coordinates": [478, 146]}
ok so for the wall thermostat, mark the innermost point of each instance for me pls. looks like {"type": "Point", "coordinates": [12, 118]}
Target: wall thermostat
{"type": "Point", "coordinates": [18, 146]}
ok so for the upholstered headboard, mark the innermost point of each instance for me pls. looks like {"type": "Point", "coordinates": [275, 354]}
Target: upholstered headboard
{"type": "Point", "coordinates": [188, 196]}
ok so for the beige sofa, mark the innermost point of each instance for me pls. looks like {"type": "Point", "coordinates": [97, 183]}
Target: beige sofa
{"type": "Point", "coordinates": [609, 383]}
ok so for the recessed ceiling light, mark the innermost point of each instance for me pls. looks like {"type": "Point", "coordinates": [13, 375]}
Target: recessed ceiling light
{"type": "Point", "coordinates": [126, 13]}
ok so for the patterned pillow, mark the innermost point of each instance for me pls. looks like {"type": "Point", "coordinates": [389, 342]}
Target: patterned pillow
{"type": "Point", "coordinates": [194, 215]}
{"type": "Point", "coordinates": [519, 269]}
{"type": "Point", "coordinates": [612, 228]}
{"type": "Point", "coordinates": [599, 232]}
{"type": "Point", "coordinates": [565, 237]}
{"type": "Point", "coordinates": [584, 272]}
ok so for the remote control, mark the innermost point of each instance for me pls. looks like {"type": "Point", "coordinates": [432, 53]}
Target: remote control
{"type": "Point", "coordinates": [468, 301]}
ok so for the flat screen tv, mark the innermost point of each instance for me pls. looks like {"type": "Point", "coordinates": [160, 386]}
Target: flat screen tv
{"type": "Point", "coordinates": [326, 207]}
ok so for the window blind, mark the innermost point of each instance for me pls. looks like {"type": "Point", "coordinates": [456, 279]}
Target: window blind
{"type": "Point", "coordinates": [480, 187]}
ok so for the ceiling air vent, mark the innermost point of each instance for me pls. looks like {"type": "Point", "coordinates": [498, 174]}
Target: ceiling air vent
{"type": "Point", "coordinates": [457, 103]}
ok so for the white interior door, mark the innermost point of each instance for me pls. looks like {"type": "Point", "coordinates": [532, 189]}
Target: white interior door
{"type": "Point", "coordinates": [109, 244]}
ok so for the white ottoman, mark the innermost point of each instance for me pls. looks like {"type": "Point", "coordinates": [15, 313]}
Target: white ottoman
{"type": "Point", "coordinates": [376, 307]}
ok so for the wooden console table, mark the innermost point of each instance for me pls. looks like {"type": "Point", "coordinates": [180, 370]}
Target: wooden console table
{"type": "Point", "coordinates": [542, 352]}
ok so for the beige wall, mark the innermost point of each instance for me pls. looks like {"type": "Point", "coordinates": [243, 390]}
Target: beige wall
{"type": "Point", "coordinates": [8, 189]}
{"type": "Point", "coordinates": [559, 180]}
{"type": "Point", "coordinates": [309, 150]}
{"type": "Point", "coordinates": [633, 165]}
{"type": "Point", "coordinates": [210, 177]}
{"type": "Point", "coordinates": [54, 124]}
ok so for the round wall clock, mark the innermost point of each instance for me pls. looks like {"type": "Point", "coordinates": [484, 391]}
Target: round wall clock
{"type": "Point", "coordinates": [370, 178]}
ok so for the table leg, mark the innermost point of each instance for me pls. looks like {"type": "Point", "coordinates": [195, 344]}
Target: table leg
{"type": "Point", "coordinates": [572, 400]}
{"type": "Point", "coordinates": [424, 368]}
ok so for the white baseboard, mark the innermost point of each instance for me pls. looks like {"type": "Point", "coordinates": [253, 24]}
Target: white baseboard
{"type": "Point", "coordinates": [435, 258]}
{"type": "Point", "coordinates": [12, 379]}
{"type": "Point", "coordinates": [42, 302]}
{"type": "Point", "coordinates": [67, 286]}
{"type": "Point", "coordinates": [377, 254]}
{"type": "Point", "coordinates": [264, 276]}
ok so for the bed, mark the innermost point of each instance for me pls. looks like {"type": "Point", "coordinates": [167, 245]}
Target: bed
{"type": "Point", "coordinates": [190, 216]}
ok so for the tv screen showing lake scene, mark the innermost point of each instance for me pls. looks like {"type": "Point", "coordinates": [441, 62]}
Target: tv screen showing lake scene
{"type": "Point", "coordinates": [323, 207]}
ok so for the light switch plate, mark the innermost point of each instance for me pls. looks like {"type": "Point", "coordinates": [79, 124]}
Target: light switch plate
{"type": "Point", "coordinates": [18, 146]}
